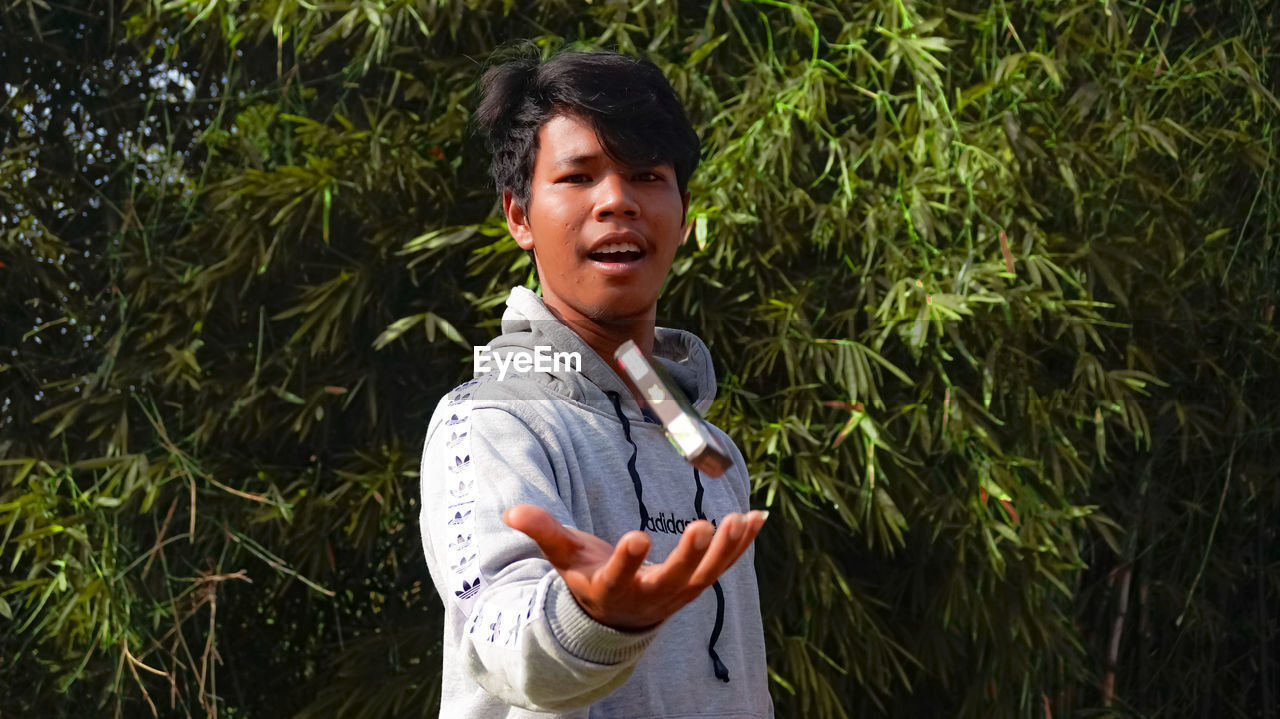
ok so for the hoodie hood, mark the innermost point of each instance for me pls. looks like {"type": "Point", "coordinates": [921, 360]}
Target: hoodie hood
{"type": "Point", "coordinates": [527, 324]}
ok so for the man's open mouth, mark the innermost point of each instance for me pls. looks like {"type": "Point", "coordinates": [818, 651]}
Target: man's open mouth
{"type": "Point", "coordinates": [620, 252]}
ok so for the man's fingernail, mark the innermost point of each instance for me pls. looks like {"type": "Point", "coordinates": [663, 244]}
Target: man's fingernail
{"type": "Point", "coordinates": [701, 541]}
{"type": "Point", "coordinates": [764, 516]}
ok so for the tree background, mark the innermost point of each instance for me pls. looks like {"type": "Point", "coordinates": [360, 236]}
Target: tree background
{"type": "Point", "coordinates": [990, 287]}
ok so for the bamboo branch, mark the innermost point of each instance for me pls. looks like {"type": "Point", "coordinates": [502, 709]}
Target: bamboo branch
{"type": "Point", "coordinates": [1204, 561]}
{"type": "Point", "coordinates": [1117, 629]}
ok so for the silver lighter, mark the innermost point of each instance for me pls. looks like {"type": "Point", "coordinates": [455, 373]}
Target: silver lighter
{"type": "Point", "coordinates": [685, 428]}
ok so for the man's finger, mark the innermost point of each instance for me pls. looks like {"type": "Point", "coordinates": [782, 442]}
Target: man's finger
{"type": "Point", "coordinates": [625, 560]}
{"type": "Point", "coordinates": [754, 522]}
{"type": "Point", "coordinates": [673, 574]}
{"type": "Point", "coordinates": [557, 545]}
{"type": "Point", "coordinates": [733, 529]}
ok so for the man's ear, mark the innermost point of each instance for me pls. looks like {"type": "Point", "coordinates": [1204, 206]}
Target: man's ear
{"type": "Point", "coordinates": [517, 221]}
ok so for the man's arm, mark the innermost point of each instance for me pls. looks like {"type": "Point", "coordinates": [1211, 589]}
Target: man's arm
{"type": "Point", "coordinates": [525, 639]}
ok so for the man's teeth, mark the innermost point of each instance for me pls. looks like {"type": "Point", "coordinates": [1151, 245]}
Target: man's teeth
{"type": "Point", "coordinates": [619, 247]}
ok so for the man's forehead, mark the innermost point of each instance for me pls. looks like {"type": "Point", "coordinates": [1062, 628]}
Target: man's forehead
{"type": "Point", "coordinates": [571, 160]}
{"type": "Point", "coordinates": [567, 141]}
{"type": "Point", "coordinates": [574, 159]}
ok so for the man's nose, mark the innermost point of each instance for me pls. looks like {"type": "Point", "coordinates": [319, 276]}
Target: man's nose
{"type": "Point", "coordinates": [616, 196]}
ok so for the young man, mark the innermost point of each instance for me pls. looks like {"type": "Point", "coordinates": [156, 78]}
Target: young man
{"type": "Point", "coordinates": [545, 492]}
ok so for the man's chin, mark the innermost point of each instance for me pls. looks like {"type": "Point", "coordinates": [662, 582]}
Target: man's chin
{"type": "Point", "coordinates": [619, 312]}
{"type": "Point", "coordinates": [607, 307]}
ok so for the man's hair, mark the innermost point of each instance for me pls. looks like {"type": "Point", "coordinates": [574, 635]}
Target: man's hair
{"type": "Point", "coordinates": [627, 100]}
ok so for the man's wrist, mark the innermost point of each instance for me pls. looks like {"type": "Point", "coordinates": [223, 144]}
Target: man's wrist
{"type": "Point", "coordinates": [619, 625]}
{"type": "Point", "coordinates": [586, 637]}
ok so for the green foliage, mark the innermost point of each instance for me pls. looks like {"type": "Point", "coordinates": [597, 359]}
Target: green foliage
{"type": "Point", "coordinates": [991, 289]}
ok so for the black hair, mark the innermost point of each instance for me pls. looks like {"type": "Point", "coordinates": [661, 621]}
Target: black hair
{"type": "Point", "coordinates": [627, 100]}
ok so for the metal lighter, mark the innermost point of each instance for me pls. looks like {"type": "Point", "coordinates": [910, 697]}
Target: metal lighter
{"type": "Point", "coordinates": [685, 428]}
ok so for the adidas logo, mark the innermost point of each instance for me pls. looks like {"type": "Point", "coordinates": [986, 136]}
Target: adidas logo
{"type": "Point", "coordinates": [669, 524]}
{"type": "Point", "coordinates": [463, 489]}
{"type": "Point", "coordinates": [459, 399]}
{"type": "Point", "coordinates": [461, 543]}
{"type": "Point", "coordinates": [456, 438]}
{"type": "Point", "coordinates": [460, 463]}
{"type": "Point", "coordinates": [454, 420]}
{"type": "Point", "coordinates": [495, 628]}
{"type": "Point", "coordinates": [463, 564]}
{"type": "Point", "coordinates": [468, 590]}
{"type": "Point", "coordinates": [460, 517]}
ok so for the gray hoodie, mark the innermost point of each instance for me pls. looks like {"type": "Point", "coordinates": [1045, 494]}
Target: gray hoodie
{"type": "Point", "coordinates": [516, 643]}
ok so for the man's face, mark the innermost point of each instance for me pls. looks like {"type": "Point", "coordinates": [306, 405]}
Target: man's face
{"type": "Point", "coordinates": [582, 204]}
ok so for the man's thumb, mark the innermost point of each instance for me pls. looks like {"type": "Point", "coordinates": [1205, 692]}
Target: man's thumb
{"type": "Point", "coordinates": [542, 528]}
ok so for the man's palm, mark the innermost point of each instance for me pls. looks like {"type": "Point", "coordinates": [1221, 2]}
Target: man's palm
{"type": "Point", "coordinates": [615, 586]}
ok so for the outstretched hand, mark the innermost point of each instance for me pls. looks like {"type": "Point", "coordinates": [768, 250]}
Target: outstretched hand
{"type": "Point", "coordinates": [615, 586]}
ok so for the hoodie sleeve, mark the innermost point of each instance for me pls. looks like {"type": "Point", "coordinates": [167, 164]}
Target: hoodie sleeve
{"type": "Point", "coordinates": [524, 637]}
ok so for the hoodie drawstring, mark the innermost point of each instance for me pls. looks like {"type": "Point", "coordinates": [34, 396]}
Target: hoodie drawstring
{"type": "Point", "coordinates": [631, 463]}
{"type": "Point", "coordinates": [721, 671]}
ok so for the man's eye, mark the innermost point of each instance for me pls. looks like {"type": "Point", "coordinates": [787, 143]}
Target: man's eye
{"type": "Point", "coordinates": [573, 178]}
